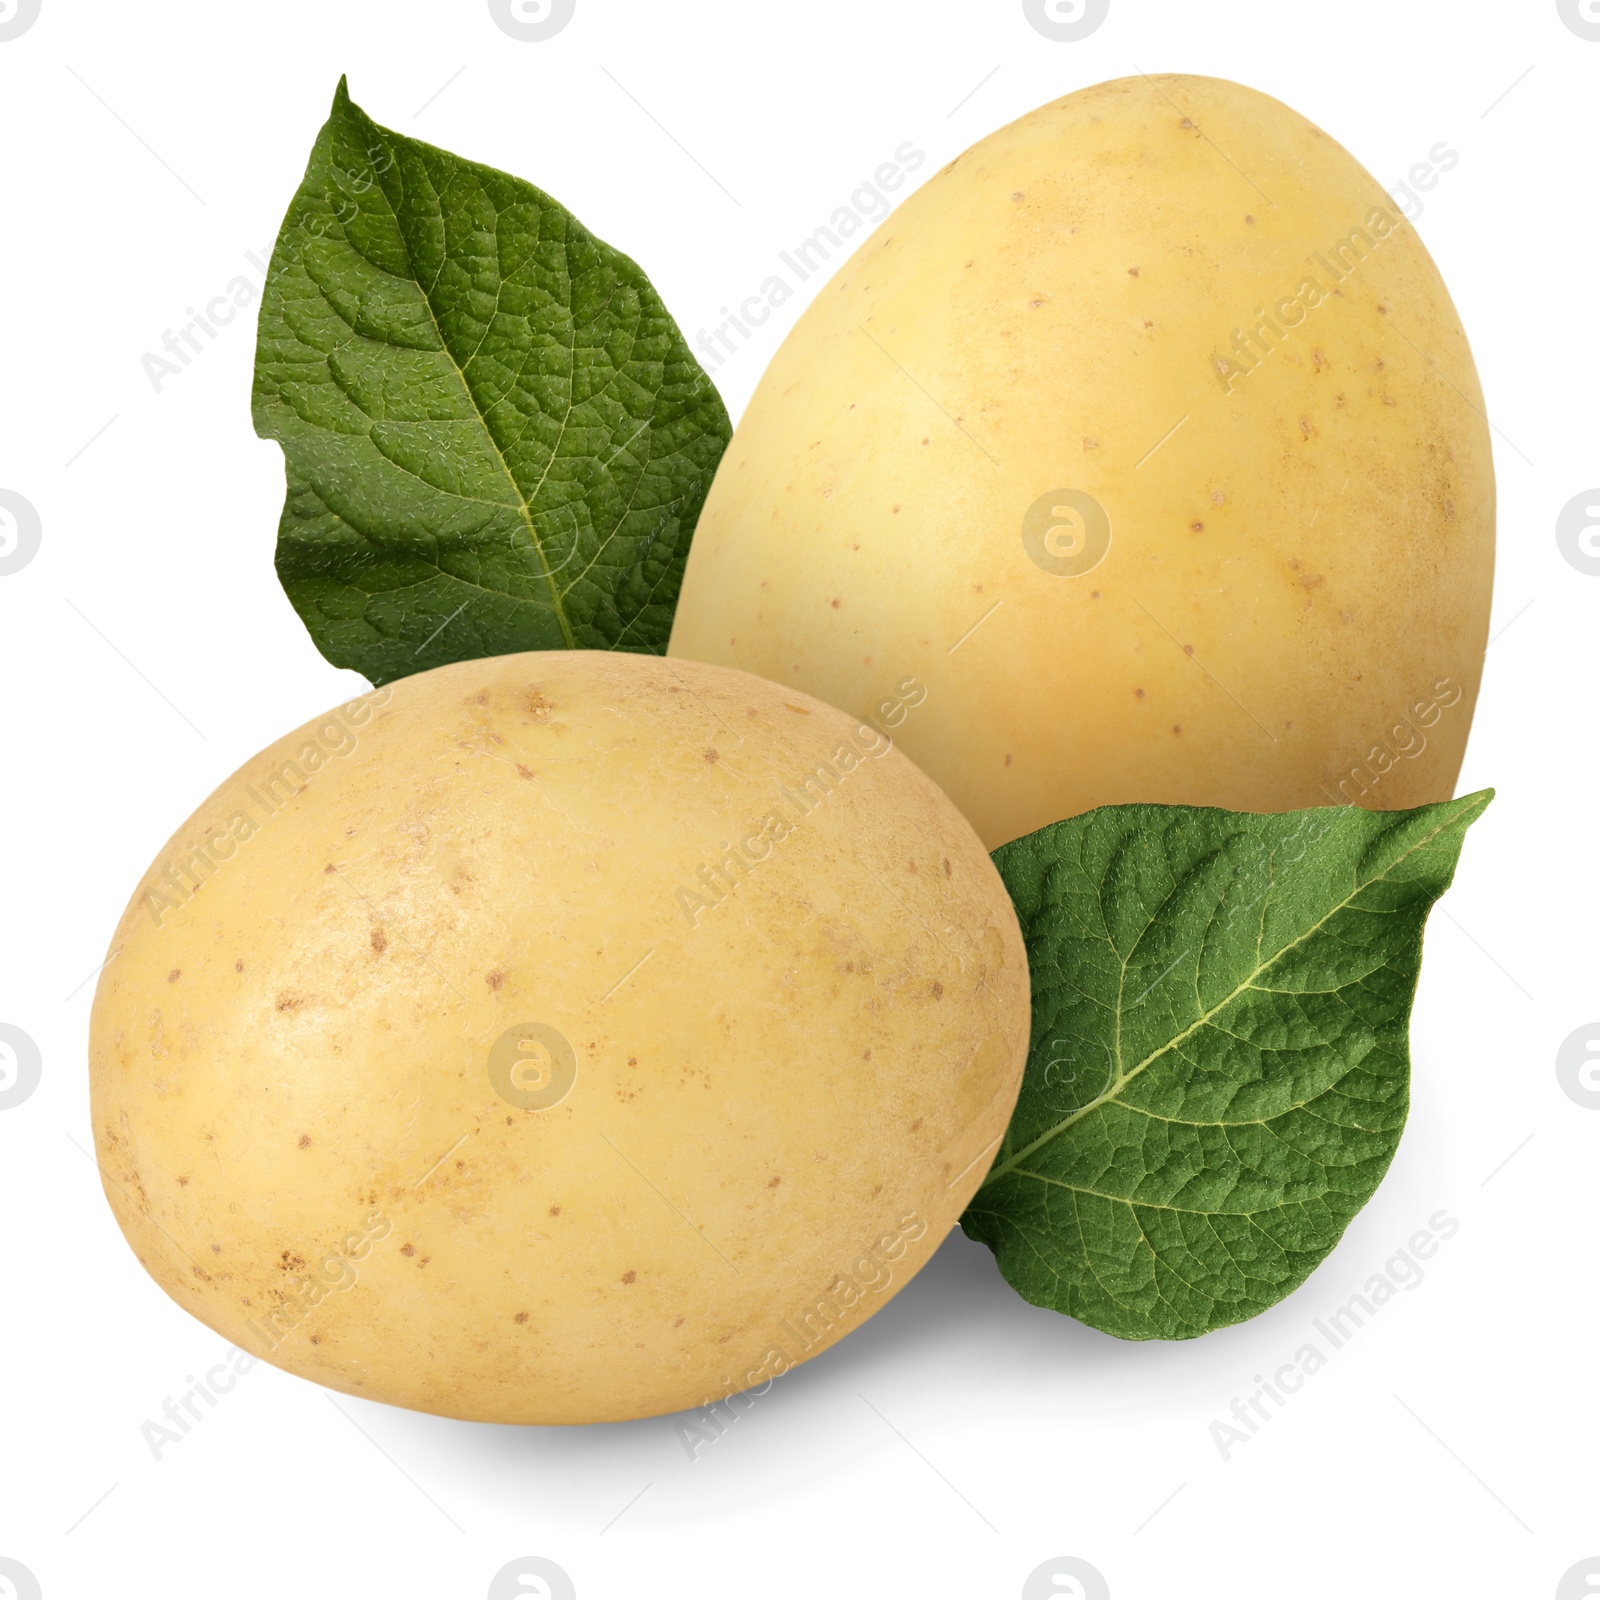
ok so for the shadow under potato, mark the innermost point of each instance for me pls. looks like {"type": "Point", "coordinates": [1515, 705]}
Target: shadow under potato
{"type": "Point", "coordinates": [956, 1340]}
{"type": "Point", "coordinates": [957, 1313]}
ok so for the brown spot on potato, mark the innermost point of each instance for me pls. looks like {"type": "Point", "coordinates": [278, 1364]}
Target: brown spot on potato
{"type": "Point", "coordinates": [772, 1183]}
{"type": "Point", "coordinates": [521, 1316]}
{"type": "Point", "coordinates": [629, 1275]}
{"type": "Point", "coordinates": [938, 990]}
{"type": "Point", "coordinates": [183, 1181]}
{"type": "Point", "coordinates": [305, 1141]}
{"type": "Point", "coordinates": [1138, 694]}
{"type": "Point", "coordinates": [1176, 728]}
{"type": "Point", "coordinates": [1133, 272]}
{"type": "Point", "coordinates": [408, 1249]}
{"type": "Point", "coordinates": [555, 1211]}
{"type": "Point", "coordinates": [495, 980]}
{"type": "Point", "coordinates": [522, 771]}
{"type": "Point", "coordinates": [380, 941]}
{"type": "Point", "coordinates": [947, 867]}
{"type": "Point", "coordinates": [238, 966]}
{"type": "Point", "coordinates": [1008, 758]}
{"type": "Point", "coordinates": [289, 1002]}
{"type": "Point", "coordinates": [175, 974]}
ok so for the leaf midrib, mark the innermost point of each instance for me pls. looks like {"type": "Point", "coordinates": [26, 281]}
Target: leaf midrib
{"type": "Point", "coordinates": [523, 508]}
{"type": "Point", "coordinates": [1110, 1094]}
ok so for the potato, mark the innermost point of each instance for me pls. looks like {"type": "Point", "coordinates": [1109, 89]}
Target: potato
{"type": "Point", "coordinates": [1146, 440]}
{"type": "Point", "coordinates": [556, 1038]}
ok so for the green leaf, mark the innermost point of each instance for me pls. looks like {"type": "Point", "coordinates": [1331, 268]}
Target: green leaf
{"type": "Point", "coordinates": [495, 436]}
{"type": "Point", "coordinates": [1219, 1070]}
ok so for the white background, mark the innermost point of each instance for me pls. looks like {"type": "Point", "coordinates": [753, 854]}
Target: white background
{"type": "Point", "coordinates": [962, 1437]}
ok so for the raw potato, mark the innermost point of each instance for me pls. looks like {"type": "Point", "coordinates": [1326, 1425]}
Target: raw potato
{"type": "Point", "coordinates": [785, 1078]}
{"type": "Point", "coordinates": [1294, 603]}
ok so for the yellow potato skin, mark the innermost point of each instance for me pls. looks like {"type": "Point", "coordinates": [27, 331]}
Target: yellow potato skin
{"type": "Point", "coordinates": [1295, 601]}
{"type": "Point", "coordinates": [786, 1090]}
